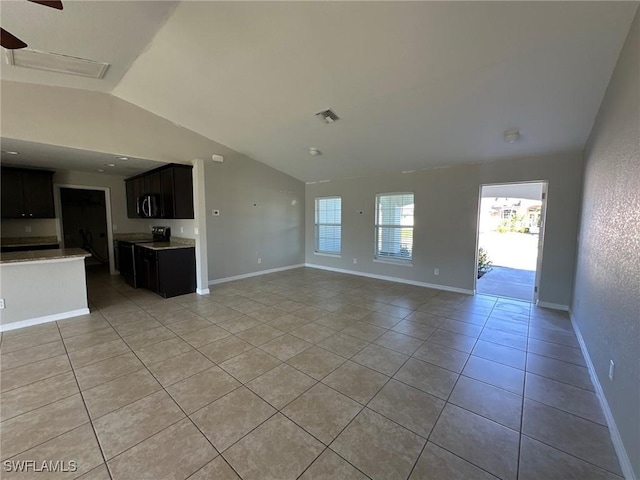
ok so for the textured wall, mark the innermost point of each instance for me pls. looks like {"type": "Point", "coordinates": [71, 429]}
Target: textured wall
{"type": "Point", "coordinates": [446, 216]}
{"type": "Point", "coordinates": [606, 303]}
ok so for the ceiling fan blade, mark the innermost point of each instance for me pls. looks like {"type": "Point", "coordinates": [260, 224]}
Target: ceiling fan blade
{"type": "Point", "coordinates": [10, 42]}
{"type": "Point", "coordinates": [57, 4]}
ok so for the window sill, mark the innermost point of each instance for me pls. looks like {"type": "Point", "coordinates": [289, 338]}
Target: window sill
{"type": "Point", "coordinates": [402, 263]}
{"type": "Point", "coordinates": [334, 255]}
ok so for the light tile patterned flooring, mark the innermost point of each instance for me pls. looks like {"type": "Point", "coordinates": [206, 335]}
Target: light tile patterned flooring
{"type": "Point", "coordinates": [303, 374]}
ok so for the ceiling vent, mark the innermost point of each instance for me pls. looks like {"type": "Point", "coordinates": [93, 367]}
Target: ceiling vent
{"type": "Point", "coordinates": [328, 116]}
{"type": "Point", "coordinates": [54, 62]}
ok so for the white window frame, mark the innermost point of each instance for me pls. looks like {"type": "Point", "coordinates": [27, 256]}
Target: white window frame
{"type": "Point", "coordinates": [377, 229]}
{"type": "Point", "coordinates": [317, 226]}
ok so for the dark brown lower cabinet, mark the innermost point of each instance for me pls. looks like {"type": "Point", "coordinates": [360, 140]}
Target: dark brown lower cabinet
{"type": "Point", "coordinates": [168, 272]}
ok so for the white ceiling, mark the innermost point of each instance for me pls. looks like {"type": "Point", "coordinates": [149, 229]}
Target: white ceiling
{"type": "Point", "coordinates": [114, 32]}
{"type": "Point", "coordinates": [417, 84]}
{"type": "Point", "coordinates": [62, 158]}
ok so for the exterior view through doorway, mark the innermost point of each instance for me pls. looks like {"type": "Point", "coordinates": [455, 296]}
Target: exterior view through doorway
{"type": "Point", "coordinates": [510, 238]}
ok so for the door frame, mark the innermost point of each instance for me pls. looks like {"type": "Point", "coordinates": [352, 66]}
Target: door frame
{"type": "Point", "coordinates": [57, 201]}
{"type": "Point", "coordinates": [541, 233]}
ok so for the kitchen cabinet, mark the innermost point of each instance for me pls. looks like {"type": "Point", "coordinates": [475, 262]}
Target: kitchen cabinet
{"type": "Point", "coordinates": [171, 185]}
{"type": "Point", "coordinates": [27, 193]}
{"type": "Point", "coordinates": [168, 272]}
{"type": "Point", "coordinates": [135, 188]}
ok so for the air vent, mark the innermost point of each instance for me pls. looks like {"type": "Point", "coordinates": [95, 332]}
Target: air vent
{"type": "Point", "coordinates": [328, 116]}
{"type": "Point", "coordinates": [54, 62]}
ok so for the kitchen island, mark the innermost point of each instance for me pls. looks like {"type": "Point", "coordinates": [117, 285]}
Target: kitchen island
{"type": "Point", "coordinates": [40, 286]}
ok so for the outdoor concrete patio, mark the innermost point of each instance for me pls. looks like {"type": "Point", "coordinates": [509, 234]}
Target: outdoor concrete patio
{"type": "Point", "coordinates": [508, 282]}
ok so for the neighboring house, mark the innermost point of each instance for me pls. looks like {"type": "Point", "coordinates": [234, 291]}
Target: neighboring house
{"type": "Point", "coordinates": [523, 212]}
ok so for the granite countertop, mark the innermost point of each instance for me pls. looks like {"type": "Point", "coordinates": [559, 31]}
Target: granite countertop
{"type": "Point", "coordinates": [168, 245]}
{"type": "Point", "coordinates": [132, 236]}
{"type": "Point", "coordinates": [38, 255]}
{"type": "Point", "coordinates": [25, 241]}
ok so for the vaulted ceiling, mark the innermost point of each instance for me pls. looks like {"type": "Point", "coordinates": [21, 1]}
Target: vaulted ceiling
{"type": "Point", "coordinates": [416, 84]}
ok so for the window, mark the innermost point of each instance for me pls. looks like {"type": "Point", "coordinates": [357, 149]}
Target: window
{"type": "Point", "coordinates": [394, 226]}
{"type": "Point", "coordinates": [329, 225]}
{"type": "Point", "coordinates": [507, 214]}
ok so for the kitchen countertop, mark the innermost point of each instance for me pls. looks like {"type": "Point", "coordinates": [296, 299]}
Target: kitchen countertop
{"type": "Point", "coordinates": [40, 255]}
{"type": "Point", "coordinates": [166, 245]}
{"type": "Point", "coordinates": [26, 241]}
{"type": "Point", "coordinates": [131, 236]}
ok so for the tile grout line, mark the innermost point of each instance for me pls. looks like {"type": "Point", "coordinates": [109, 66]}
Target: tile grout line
{"type": "Point", "coordinates": [95, 434]}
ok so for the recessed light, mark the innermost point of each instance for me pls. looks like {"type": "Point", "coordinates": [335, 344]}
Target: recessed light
{"type": "Point", "coordinates": [10, 152]}
{"type": "Point", "coordinates": [100, 170]}
{"type": "Point", "coordinates": [314, 152]}
{"type": "Point", "coordinates": [109, 164]}
{"type": "Point", "coordinates": [122, 158]}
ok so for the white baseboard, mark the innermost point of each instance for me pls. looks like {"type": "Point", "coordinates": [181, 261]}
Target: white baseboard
{"type": "Point", "coordinates": [553, 306]}
{"type": "Point", "coordinates": [254, 274]}
{"type": "Point", "coordinates": [46, 319]}
{"type": "Point", "coordinates": [623, 458]}
{"type": "Point", "coordinates": [203, 291]}
{"type": "Point", "coordinates": [391, 279]}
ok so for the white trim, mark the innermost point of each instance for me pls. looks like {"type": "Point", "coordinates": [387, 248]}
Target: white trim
{"type": "Point", "coordinates": [554, 306]}
{"type": "Point", "coordinates": [254, 274]}
{"type": "Point", "coordinates": [333, 255]}
{"type": "Point", "coordinates": [46, 319]}
{"type": "Point", "coordinates": [618, 445]}
{"type": "Point", "coordinates": [402, 263]}
{"type": "Point", "coordinates": [203, 291]}
{"type": "Point", "coordinates": [391, 279]}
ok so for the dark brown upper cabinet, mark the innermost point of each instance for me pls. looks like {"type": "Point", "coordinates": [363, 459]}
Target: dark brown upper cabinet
{"type": "Point", "coordinates": [27, 193]}
{"type": "Point", "coordinates": [171, 187]}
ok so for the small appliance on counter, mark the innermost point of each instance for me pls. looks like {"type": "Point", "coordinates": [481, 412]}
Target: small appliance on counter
{"type": "Point", "coordinates": [127, 262]}
{"type": "Point", "coordinates": [161, 234]}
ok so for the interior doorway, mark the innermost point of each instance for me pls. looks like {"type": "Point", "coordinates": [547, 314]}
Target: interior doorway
{"type": "Point", "coordinates": [84, 215]}
{"type": "Point", "coordinates": [510, 239]}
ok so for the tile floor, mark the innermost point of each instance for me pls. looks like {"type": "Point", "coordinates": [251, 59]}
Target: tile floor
{"type": "Point", "coordinates": [303, 374]}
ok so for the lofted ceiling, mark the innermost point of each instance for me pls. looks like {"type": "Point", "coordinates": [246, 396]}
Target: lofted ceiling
{"type": "Point", "coordinates": [417, 85]}
{"type": "Point", "coordinates": [115, 32]}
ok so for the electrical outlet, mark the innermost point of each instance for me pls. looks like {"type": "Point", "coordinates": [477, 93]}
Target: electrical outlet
{"type": "Point", "coordinates": [195, 230]}
{"type": "Point", "coordinates": [27, 229]}
{"type": "Point", "coordinates": [1, 303]}
{"type": "Point", "coordinates": [114, 226]}
{"type": "Point", "coordinates": [259, 260]}
{"type": "Point", "coordinates": [612, 370]}
{"type": "Point", "coordinates": [355, 260]}
{"type": "Point", "coordinates": [181, 229]}
{"type": "Point", "coordinates": [436, 271]}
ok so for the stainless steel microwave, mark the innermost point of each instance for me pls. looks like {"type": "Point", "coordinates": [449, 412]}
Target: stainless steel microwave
{"type": "Point", "coordinates": [148, 206]}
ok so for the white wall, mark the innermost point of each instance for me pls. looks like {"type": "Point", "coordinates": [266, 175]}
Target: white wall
{"type": "Point", "coordinates": [446, 210]}
{"type": "Point", "coordinates": [39, 289]}
{"type": "Point", "coordinates": [606, 303]}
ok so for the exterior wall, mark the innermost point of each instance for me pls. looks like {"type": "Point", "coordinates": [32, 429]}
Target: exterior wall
{"type": "Point", "coordinates": [446, 217]}
{"type": "Point", "coordinates": [606, 301]}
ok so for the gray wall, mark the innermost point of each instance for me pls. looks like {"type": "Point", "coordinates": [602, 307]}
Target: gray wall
{"type": "Point", "coordinates": [606, 302]}
{"type": "Point", "coordinates": [446, 211]}
{"type": "Point", "coordinates": [272, 230]}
